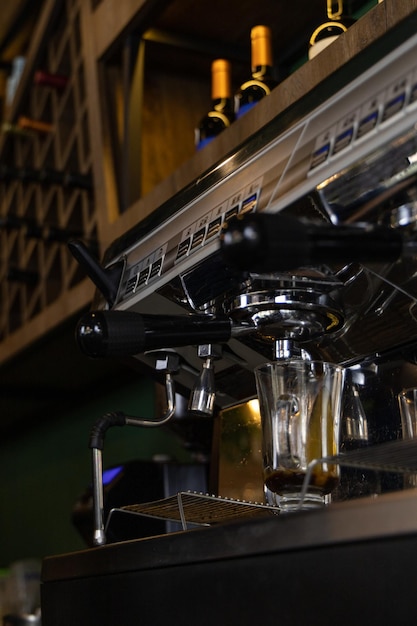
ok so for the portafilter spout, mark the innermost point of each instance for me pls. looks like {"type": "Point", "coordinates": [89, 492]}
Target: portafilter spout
{"type": "Point", "coordinates": [288, 349]}
{"type": "Point", "coordinates": [203, 395]}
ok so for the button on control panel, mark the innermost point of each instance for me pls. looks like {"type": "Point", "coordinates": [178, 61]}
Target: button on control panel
{"type": "Point", "coordinates": [198, 234]}
{"type": "Point", "coordinates": [368, 117]}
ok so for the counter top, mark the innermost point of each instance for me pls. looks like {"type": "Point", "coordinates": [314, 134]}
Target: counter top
{"type": "Point", "coordinates": [376, 518]}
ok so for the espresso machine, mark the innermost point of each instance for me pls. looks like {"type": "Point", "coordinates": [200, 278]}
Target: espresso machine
{"type": "Point", "coordinates": [300, 244]}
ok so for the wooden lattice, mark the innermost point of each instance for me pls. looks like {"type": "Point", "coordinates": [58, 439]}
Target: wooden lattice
{"type": "Point", "coordinates": [51, 273]}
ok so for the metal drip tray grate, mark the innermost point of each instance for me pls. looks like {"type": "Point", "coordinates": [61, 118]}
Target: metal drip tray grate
{"type": "Point", "coordinates": [199, 509]}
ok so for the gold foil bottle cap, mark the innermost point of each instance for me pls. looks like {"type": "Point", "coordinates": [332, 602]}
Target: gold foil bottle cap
{"type": "Point", "coordinates": [221, 82]}
{"type": "Point", "coordinates": [261, 42]}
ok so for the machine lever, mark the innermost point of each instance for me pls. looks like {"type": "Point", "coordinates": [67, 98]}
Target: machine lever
{"type": "Point", "coordinates": [126, 333]}
{"type": "Point", "coordinates": [268, 242]}
{"type": "Point", "coordinates": [107, 279]}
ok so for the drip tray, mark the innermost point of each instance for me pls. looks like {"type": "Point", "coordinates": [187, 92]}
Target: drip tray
{"type": "Point", "coordinates": [197, 509]}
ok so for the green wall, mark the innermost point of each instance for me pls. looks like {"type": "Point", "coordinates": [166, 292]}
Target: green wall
{"type": "Point", "coordinates": [48, 465]}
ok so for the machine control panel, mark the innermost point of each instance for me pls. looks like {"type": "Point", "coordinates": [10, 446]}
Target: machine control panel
{"type": "Point", "coordinates": [192, 239]}
{"type": "Point", "coordinates": [368, 117]}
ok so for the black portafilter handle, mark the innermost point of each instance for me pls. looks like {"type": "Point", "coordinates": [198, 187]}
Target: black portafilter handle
{"type": "Point", "coordinates": [126, 333]}
{"type": "Point", "coordinates": [271, 242]}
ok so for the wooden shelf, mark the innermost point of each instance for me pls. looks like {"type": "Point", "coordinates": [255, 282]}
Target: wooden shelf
{"type": "Point", "coordinates": [305, 80]}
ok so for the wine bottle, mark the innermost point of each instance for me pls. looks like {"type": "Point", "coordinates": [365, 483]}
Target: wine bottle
{"type": "Point", "coordinates": [13, 129]}
{"type": "Point", "coordinates": [73, 180]}
{"type": "Point", "coordinates": [222, 112]}
{"type": "Point", "coordinates": [46, 176]}
{"type": "Point", "coordinates": [32, 229]}
{"type": "Point", "coordinates": [46, 79]}
{"type": "Point", "coordinates": [262, 81]}
{"type": "Point", "coordinates": [13, 80]}
{"type": "Point", "coordinates": [6, 66]}
{"type": "Point", "coordinates": [27, 277]}
{"type": "Point", "coordinates": [10, 222]}
{"type": "Point", "coordinates": [37, 126]}
{"type": "Point", "coordinates": [329, 31]}
{"type": "Point", "coordinates": [22, 174]}
{"type": "Point", "coordinates": [60, 235]}
{"type": "Point", "coordinates": [29, 226]}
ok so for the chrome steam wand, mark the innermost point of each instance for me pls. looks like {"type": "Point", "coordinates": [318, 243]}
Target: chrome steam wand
{"type": "Point", "coordinates": [165, 361]}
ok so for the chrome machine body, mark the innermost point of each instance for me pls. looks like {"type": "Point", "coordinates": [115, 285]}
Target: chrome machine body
{"type": "Point", "coordinates": [353, 159]}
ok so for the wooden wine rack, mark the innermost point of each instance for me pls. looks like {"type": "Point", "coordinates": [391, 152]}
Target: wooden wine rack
{"type": "Point", "coordinates": [57, 287]}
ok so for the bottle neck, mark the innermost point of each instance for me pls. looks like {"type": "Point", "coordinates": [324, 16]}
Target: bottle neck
{"type": "Point", "coordinates": [38, 126]}
{"type": "Point", "coordinates": [262, 72]}
{"type": "Point", "coordinates": [334, 9]}
{"type": "Point", "coordinates": [221, 83]}
{"type": "Point", "coordinates": [261, 48]}
{"type": "Point", "coordinates": [223, 105]}
{"type": "Point", "coordinates": [45, 79]}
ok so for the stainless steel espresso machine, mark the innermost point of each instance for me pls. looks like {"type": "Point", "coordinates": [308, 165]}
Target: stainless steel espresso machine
{"type": "Point", "coordinates": [300, 244]}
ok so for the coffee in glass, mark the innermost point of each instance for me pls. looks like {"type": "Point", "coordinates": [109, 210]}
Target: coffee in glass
{"type": "Point", "coordinates": [300, 405]}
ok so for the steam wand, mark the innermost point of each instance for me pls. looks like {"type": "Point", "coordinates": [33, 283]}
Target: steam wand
{"type": "Point", "coordinates": [166, 361]}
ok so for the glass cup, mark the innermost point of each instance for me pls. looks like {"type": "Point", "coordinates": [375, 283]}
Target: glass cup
{"type": "Point", "coordinates": [300, 405]}
{"type": "Point", "coordinates": [407, 400]}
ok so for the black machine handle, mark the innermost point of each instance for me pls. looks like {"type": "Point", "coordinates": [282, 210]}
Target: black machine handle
{"type": "Point", "coordinates": [126, 333]}
{"type": "Point", "coordinates": [267, 242]}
